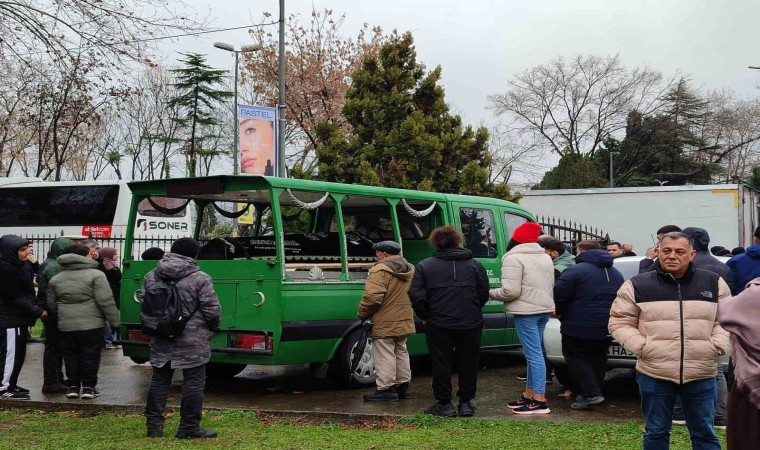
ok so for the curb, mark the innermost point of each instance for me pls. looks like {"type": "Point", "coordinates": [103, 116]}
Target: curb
{"type": "Point", "coordinates": [328, 416]}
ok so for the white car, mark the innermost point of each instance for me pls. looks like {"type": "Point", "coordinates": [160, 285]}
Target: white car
{"type": "Point", "coordinates": [618, 357]}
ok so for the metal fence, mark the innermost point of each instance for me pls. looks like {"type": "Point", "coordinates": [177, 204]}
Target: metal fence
{"type": "Point", "coordinates": [42, 243]}
{"type": "Point", "coordinates": [570, 232]}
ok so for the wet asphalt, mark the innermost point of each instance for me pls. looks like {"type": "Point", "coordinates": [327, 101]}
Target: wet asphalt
{"type": "Point", "coordinates": [291, 389]}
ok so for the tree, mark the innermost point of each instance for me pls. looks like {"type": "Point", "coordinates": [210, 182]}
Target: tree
{"type": "Point", "coordinates": [111, 31]}
{"type": "Point", "coordinates": [574, 105]}
{"type": "Point", "coordinates": [573, 172]}
{"type": "Point", "coordinates": [401, 132]}
{"type": "Point", "coordinates": [319, 63]}
{"type": "Point", "coordinates": [197, 98]}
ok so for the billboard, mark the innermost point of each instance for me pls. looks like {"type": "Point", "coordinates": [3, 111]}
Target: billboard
{"type": "Point", "coordinates": [258, 140]}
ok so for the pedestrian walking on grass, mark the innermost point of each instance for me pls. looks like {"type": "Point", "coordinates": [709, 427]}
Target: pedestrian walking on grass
{"type": "Point", "coordinates": [448, 293]}
{"type": "Point", "coordinates": [386, 302]}
{"type": "Point", "coordinates": [191, 350]}
{"type": "Point", "coordinates": [527, 290]}
{"type": "Point", "coordinates": [81, 298]}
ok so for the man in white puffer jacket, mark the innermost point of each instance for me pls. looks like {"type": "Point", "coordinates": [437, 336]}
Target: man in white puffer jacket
{"type": "Point", "coordinates": [527, 289]}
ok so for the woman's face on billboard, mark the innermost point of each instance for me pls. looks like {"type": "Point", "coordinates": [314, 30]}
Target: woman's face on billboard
{"type": "Point", "coordinates": [256, 146]}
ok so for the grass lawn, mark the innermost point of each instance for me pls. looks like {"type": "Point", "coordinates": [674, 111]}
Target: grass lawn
{"type": "Point", "coordinates": [240, 430]}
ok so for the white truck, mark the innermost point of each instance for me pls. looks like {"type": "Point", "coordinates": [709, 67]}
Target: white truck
{"type": "Point", "coordinates": [729, 212]}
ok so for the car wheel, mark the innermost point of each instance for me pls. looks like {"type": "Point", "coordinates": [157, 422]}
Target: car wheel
{"type": "Point", "coordinates": [340, 366]}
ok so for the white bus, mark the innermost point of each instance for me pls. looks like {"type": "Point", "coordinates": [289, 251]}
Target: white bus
{"type": "Point", "coordinates": [31, 207]}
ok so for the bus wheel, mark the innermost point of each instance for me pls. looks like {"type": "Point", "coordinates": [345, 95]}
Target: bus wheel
{"type": "Point", "coordinates": [220, 371]}
{"type": "Point", "coordinates": [137, 360]}
{"type": "Point", "coordinates": [340, 366]}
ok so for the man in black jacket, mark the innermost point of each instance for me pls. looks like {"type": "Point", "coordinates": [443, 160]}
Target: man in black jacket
{"type": "Point", "coordinates": [448, 293]}
{"type": "Point", "coordinates": [583, 296]}
{"type": "Point", "coordinates": [17, 311]}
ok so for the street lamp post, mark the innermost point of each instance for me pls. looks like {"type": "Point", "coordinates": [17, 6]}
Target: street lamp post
{"type": "Point", "coordinates": [235, 126]}
{"type": "Point", "coordinates": [281, 92]}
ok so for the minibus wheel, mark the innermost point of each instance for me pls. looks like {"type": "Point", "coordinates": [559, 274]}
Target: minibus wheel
{"type": "Point", "coordinates": [340, 366]}
{"type": "Point", "coordinates": [221, 371]}
{"type": "Point", "coordinates": [137, 360]}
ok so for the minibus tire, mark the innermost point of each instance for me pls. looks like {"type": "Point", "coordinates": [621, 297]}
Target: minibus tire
{"type": "Point", "coordinates": [138, 360]}
{"type": "Point", "coordinates": [340, 366]}
{"type": "Point", "coordinates": [222, 371]}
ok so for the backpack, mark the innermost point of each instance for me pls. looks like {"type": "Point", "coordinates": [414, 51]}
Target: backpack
{"type": "Point", "coordinates": [161, 312]}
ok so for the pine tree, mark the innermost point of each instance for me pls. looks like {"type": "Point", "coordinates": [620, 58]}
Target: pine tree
{"type": "Point", "coordinates": [401, 132]}
{"type": "Point", "coordinates": [196, 82]}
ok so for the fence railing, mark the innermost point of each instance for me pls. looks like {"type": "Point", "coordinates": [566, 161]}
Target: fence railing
{"type": "Point", "coordinates": [43, 242]}
{"type": "Point", "coordinates": [571, 232]}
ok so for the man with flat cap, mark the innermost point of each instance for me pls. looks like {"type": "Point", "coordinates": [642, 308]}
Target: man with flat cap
{"type": "Point", "coordinates": [385, 301]}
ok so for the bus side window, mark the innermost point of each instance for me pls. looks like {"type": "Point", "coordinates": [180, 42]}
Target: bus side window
{"type": "Point", "coordinates": [477, 228]}
{"type": "Point", "coordinates": [512, 221]}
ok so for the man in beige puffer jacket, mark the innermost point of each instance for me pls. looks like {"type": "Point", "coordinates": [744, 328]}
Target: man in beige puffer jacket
{"type": "Point", "coordinates": [668, 319]}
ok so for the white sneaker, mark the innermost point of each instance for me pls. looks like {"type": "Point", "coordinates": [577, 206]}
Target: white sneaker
{"type": "Point", "coordinates": [679, 422]}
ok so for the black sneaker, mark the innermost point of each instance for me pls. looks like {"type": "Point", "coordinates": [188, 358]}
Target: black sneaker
{"type": "Point", "coordinates": [441, 410]}
{"type": "Point", "coordinates": [14, 395]}
{"type": "Point", "coordinates": [519, 403]}
{"type": "Point", "coordinates": [386, 395]}
{"type": "Point", "coordinates": [533, 407]}
{"type": "Point", "coordinates": [584, 403]}
{"type": "Point", "coordinates": [465, 409]}
{"type": "Point", "coordinates": [88, 393]}
{"type": "Point", "coordinates": [155, 432]}
{"type": "Point", "coordinates": [523, 376]}
{"type": "Point", "coordinates": [19, 389]}
{"type": "Point", "coordinates": [404, 391]}
{"type": "Point", "coordinates": [197, 434]}
{"type": "Point", "coordinates": [73, 392]}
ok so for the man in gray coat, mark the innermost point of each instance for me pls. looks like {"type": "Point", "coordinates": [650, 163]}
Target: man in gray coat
{"type": "Point", "coordinates": [191, 350]}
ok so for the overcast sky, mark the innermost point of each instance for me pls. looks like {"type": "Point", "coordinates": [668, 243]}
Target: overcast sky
{"type": "Point", "coordinates": [480, 43]}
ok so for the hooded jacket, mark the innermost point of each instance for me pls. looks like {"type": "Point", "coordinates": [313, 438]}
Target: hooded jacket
{"type": "Point", "coordinates": [745, 267]}
{"type": "Point", "coordinates": [671, 325]}
{"type": "Point", "coordinates": [386, 300]}
{"type": "Point", "coordinates": [193, 347]}
{"type": "Point", "coordinates": [449, 290]}
{"type": "Point", "coordinates": [527, 281]}
{"type": "Point", "coordinates": [584, 294]}
{"type": "Point", "coordinates": [80, 296]}
{"type": "Point", "coordinates": [704, 260]}
{"type": "Point", "coordinates": [51, 269]}
{"type": "Point", "coordinates": [17, 304]}
{"type": "Point", "coordinates": [564, 262]}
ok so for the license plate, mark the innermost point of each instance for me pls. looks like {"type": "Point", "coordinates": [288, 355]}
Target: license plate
{"type": "Point", "coordinates": [617, 350]}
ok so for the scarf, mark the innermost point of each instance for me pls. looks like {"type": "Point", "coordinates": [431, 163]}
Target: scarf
{"type": "Point", "coordinates": [738, 315]}
{"type": "Point", "coordinates": [106, 256]}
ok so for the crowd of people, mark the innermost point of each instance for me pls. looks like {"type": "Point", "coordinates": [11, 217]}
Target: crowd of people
{"type": "Point", "coordinates": [676, 316]}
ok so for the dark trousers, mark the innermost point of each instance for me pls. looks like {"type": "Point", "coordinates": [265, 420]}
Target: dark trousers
{"type": "Point", "coordinates": [81, 354]}
{"type": "Point", "coordinates": [445, 347]}
{"type": "Point", "coordinates": [52, 359]}
{"type": "Point", "coordinates": [12, 355]}
{"type": "Point", "coordinates": [587, 363]}
{"type": "Point", "coordinates": [193, 382]}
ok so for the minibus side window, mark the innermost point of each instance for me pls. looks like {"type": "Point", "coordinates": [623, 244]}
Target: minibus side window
{"type": "Point", "coordinates": [477, 228]}
{"type": "Point", "coordinates": [513, 221]}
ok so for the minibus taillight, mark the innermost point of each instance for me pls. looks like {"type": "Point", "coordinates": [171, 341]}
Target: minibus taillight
{"type": "Point", "coordinates": [252, 341]}
{"type": "Point", "coordinates": [137, 335]}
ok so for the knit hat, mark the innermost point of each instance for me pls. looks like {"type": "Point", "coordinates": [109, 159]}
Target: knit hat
{"type": "Point", "coordinates": [527, 233]}
{"type": "Point", "coordinates": [186, 247]}
{"type": "Point", "coordinates": [152, 254]}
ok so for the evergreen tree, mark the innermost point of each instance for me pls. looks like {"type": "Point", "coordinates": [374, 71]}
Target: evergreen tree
{"type": "Point", "coordinates": [401, 132]}
{"type": "Point", "coordinates": [198, 96]}
{"type": "Point", "coordinates": [574, 171]}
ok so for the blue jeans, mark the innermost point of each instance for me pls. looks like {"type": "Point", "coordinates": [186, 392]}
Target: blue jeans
{"type": "Point", "coordinates": [530, 330]}
{"type": "Point", "coordinates": [657, 400]}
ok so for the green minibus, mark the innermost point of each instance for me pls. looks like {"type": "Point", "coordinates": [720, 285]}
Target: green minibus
{"type": "Point", "coordinates": [290, 284]}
